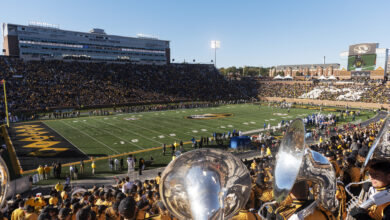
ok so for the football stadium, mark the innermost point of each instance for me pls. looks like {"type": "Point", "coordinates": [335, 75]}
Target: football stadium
{"type": "Point", "coordinates": [97, 125]}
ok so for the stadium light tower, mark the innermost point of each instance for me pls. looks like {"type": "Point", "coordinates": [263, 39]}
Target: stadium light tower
{"type": "Point", "coordinates": [215, 44]}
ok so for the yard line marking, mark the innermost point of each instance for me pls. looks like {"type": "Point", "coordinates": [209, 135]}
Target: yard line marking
{"type": "Point", "coordinates": [203, 129]}
{"type": "Point", "coordinates": [230, 126]}
{"type": "Point", "coordinates": [66, 139]}
{"type": "Point", "coordinates": [171, 124]}
{"type": "Point", "coordinates": [134, 140]}
{"type": "Point", "coordinates": [252, 122]}
{"type": "Point", "coordinates": [172, 135]}
{"type": "Point", "coordinates": [223, 126]}
{"type": "Point", "coordinates": [194, 131]}
{"type": "Point", "coordinates": [89, 136]}
{"type": "Point", "coordinates": [161, 136]}
{"type": "Point", "coordinates": [116, 136]}
{"type": "Point", "coordinates": [198, 123]}
{"type": "Point", "coordinates": [245, 123]}
{"type": "Point", "coordinates": [122, 142]}
{"type": "Point", "coordinates": [131, 132]}
{"type": "Point", "coordinates": [156, 132]}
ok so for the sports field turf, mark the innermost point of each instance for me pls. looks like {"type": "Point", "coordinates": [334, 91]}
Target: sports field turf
{"type": "Point", "coordinates": [110, 135]}
{"type": "Point", "coordinates": [101, 136]}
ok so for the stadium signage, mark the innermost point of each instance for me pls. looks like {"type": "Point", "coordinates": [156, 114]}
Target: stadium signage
{"type": "Point", "coordinates": [40, 140]}
{"type": "Point", "coordinates": [359, 49]}
{"type": "Point", "coordinates": [210, 116]}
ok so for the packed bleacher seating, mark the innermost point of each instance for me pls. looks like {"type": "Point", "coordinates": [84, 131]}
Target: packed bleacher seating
{"type": "Point", "coordinates": [370, 93]}
{"type": "Point", "coordinates": [45, 85]}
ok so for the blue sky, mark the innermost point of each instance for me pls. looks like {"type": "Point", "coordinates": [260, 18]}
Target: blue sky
{"type": "Point", "coordinates": [252, 32]}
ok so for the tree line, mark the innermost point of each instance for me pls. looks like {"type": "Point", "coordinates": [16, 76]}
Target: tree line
{"type": "Point", "coordinates": [245, 71]}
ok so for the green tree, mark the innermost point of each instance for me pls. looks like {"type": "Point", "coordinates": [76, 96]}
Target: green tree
{"type": "Point", "coordinates": [223, 71]}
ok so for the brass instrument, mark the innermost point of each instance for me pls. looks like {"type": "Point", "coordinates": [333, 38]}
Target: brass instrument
{"type": "Point", "coordinates": [295, 162]}
{"type": "Point", "coordinates": [205, 184]}
{"type": "Point", "coordinates": [379, 151]}
{"type": "Point", "coordinates": [5, 179]}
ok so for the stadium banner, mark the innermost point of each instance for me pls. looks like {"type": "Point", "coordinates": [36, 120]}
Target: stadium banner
{"type": "Point", "coordinates": [36, 144]}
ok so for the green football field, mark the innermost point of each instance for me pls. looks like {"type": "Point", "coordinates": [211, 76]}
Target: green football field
{"type": "Point", "coordinates": [119, 133]}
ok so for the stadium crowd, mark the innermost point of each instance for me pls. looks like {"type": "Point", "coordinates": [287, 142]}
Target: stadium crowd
{"type": "Point", "coordinates": [46, 85]}
{"type": "Point", "coordinates": [371, 93]}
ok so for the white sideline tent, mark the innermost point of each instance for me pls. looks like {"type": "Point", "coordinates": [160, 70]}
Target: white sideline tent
{"type": "Point", "coordinates": [288, 77]}
{"type": "Point", "coordinates": [278, 77]}
{"type": "Point", "coordinates": [332, 77]}
{"type": "Point", "coordinates": [322, 77]}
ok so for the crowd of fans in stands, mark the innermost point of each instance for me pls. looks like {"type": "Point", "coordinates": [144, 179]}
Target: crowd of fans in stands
{"type": "Point", "coordinates": [46, 85]}
{"type": "Point", "coordinates": [371, 93]}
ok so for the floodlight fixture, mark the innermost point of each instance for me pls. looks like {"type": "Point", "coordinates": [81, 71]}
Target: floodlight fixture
{"type": "Point", "coordinates": [215, 44]}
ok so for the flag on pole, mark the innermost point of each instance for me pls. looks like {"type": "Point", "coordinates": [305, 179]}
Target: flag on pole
{"type": "Point", "coordinates": [5, 102]}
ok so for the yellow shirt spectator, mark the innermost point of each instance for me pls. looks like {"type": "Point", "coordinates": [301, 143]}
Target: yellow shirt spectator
{"type": "Point", "coordinates": [40, 170]}
{"type": "Point", "coordinates": [158, 180]}
{"type": "Point", "coordinates": [59, 187]}
{"type": "Point", "coordinates": [253, 165]}
{"type": "Point", "coordinates": [18, 214]}
{"type": "Point", "coordinates": [30, 202]}
{"type": "Point", "coordinates": [31, 216]}
{"type": "Point", "coordinates": [269, 152]}
{"type": "Point", "coordinates": [47, 170]}
{"type": "Point", "coordinates": [53, 201]}
{"type": "Point", "coordinates": [39, 203]}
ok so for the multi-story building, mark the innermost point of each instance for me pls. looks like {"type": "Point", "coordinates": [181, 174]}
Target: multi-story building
{"type": "Point", "coordinates": [362, 61]}
{"type": "Point", "coordinates": [305, 69]}
{"type": "Point", "coordinates": [38, 42]}
{"type": "Point", "coordinates": [388, 65]}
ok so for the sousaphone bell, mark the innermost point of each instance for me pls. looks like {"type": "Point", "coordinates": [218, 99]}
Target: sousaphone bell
{"type": "Point", "coordinates": [295, 162]}
{"type": "Point", "coordinates": [205, 184]}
